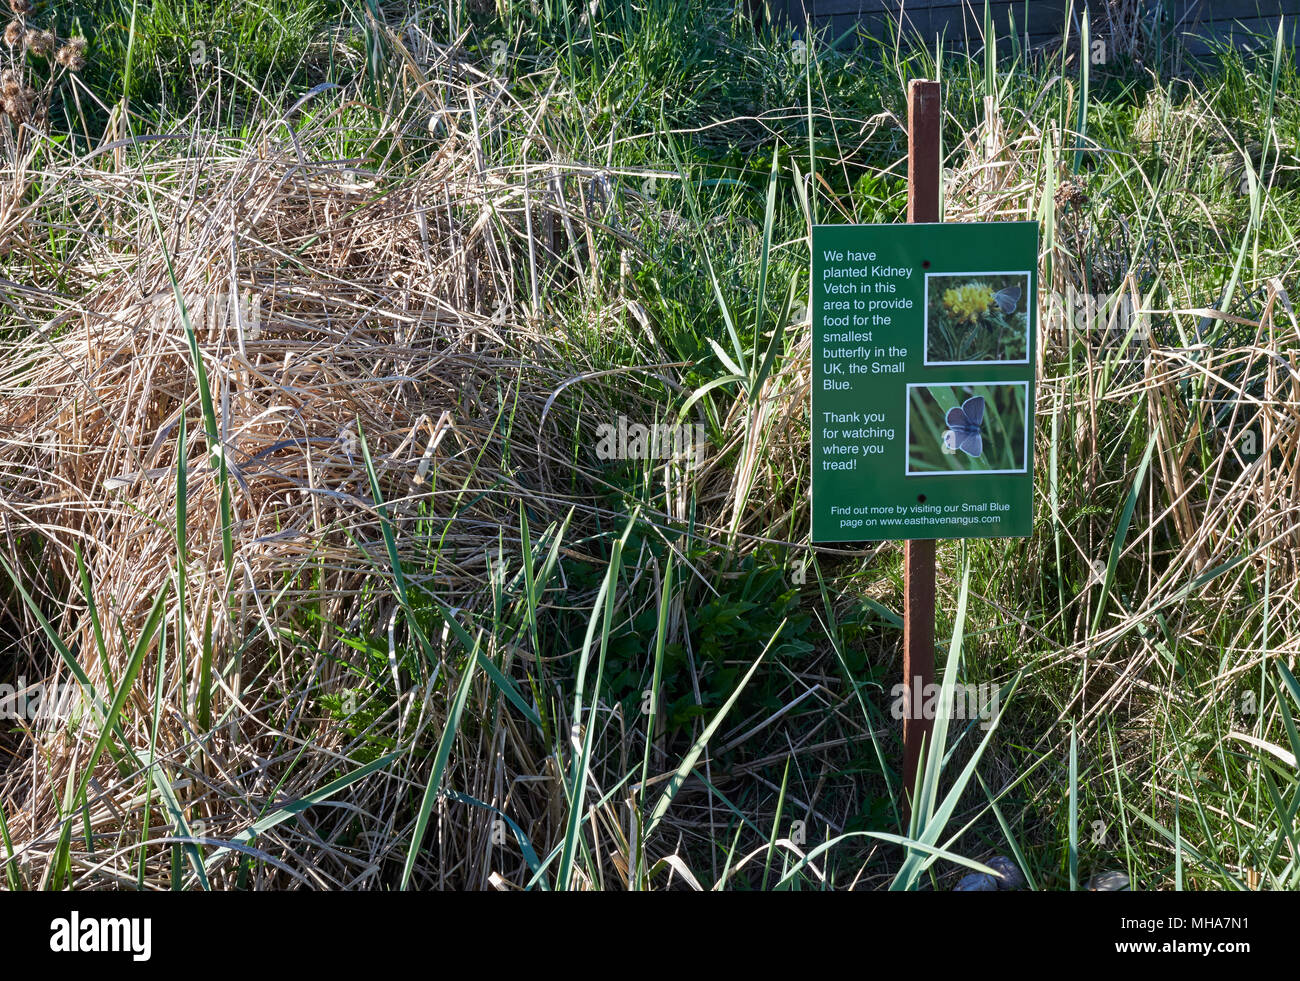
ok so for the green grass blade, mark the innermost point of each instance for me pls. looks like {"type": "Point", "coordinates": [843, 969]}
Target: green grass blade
{"type": "Point", "coordinates": [439, 765]}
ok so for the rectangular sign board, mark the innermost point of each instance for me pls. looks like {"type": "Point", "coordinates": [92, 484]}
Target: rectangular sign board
{"type": "Point", "coordinates": [924, 348]}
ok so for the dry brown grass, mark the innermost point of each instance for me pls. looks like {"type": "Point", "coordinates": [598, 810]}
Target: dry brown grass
{"type": "Point", "coordinates": [377, 303]}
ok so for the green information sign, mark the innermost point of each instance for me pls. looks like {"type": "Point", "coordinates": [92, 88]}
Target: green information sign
{"type": "Point", "coordinates": [924, 346]}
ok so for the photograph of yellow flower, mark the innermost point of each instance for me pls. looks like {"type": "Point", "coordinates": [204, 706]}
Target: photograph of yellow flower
{"type": "Point", "coordinates": [977, 318]}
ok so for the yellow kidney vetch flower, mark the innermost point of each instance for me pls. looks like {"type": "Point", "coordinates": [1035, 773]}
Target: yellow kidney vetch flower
{"type": "Point", "coordinates": [966, 304]}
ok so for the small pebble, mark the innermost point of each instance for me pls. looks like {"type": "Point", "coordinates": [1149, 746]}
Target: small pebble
{"type": "Point", "coordinates": [1008, 872]}
{"type": "Point", "coordinates": [976, 882]}
{"type": "Point", "coordinates": [1109, 882]}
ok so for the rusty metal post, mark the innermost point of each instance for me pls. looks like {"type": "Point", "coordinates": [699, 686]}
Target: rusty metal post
{"type": "Point", "coordinates": [923, 120]}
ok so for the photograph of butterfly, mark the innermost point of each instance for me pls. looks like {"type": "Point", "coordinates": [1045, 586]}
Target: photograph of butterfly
{"type": "Point", "coordinates": [967, 428]}
{"type": "Point", "coordinates": [977, 318]}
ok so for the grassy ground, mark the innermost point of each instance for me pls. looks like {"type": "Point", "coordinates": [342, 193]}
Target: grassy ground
{"type": "Point", "coordinates": [361, 602]}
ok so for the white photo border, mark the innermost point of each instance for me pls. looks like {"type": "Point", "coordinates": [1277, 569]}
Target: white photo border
{"type": "Point", "coordinates": [964, 383]}
{"type": "Point", "coordinates": [925, 320]}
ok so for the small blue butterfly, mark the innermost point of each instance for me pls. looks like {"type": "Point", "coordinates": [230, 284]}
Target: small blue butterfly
{"type": "Point", "coordinates": [1008, 299]}
{"type": "Point", "coordinates": [963, 432]}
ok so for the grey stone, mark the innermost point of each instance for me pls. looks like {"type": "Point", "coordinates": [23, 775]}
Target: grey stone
{"type": "Point", "coordinates": [1109, 882]}
{"type": "Point", "coordinates": [1008, 872]}
{"type": "Point", "coordinates": [976, 882]}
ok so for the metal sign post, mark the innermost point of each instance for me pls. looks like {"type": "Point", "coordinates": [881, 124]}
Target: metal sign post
{"type": "Point", "coordinates": [922, 406]}
{"type": "Point", "coordinates": [924, 117]}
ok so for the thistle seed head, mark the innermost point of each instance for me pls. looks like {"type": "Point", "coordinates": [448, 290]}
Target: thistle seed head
{"type": "Point", "coordinates": [72, 55]}
{"type": "Point", "coordinates": [40, 43]}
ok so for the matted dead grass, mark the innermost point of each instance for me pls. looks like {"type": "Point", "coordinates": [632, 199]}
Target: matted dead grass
{"type": "Point", "coordinates": [330, 302]}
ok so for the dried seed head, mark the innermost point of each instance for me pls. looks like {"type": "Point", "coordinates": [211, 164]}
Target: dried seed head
{"type": "Point", "coordinates": [71, 55]}
{"type": "Point", "coordinates": [20, 7]}
{"type": "Point", "coordinates": [14, 107]}
{"type": "Point", "coordinates": [40, 43]}
{"type": "Point", "coordinates": [1072, 194]}
{"type": "Point", "coordinates": [13, 33]}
